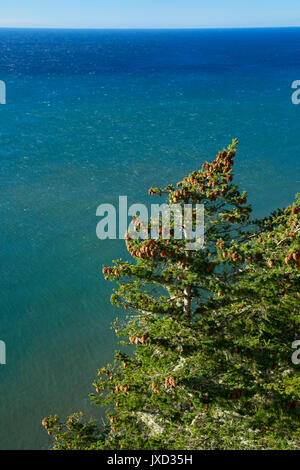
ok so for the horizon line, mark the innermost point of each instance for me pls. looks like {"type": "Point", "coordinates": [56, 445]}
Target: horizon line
{"type": "Point", "coordinates": [165, 28]}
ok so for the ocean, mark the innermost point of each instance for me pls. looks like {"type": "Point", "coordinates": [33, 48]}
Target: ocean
{"type": "Point", "coordinates": [94, 114]}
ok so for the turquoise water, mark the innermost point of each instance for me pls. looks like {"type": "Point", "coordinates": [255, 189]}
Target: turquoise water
{"type": "Point", "coordinates": [92, 115]}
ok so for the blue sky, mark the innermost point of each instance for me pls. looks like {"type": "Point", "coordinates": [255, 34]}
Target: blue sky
{"type": "Point", "coordinates": [149, 13]}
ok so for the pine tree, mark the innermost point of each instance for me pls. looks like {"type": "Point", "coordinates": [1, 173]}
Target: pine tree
{"type": "Point", "coordinates": [211, 330]}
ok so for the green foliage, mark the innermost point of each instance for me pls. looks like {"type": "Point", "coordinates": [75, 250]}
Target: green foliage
{"type": "Point", "coordinates": [212, 331]}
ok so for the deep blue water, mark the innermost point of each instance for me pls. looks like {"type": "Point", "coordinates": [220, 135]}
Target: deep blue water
{"type": "Point", "coordinates": [92, 115]}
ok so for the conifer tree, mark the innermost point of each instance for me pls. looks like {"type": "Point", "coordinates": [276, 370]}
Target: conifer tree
{"type": "Point", "coordinates": [210, 330]}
